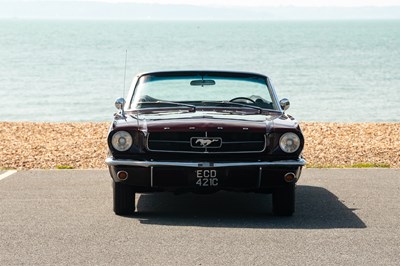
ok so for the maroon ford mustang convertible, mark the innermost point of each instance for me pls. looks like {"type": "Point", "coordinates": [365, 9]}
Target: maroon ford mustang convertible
{"type": "Point", "coordinates": [201, 132]}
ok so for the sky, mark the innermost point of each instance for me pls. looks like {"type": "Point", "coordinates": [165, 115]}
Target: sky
{"type": "Point", "coordinates": [317, 3]}
{"type": "Point", "coordinates": [201, 10]}
{"type": "Point", "coordinates": [271, 2]}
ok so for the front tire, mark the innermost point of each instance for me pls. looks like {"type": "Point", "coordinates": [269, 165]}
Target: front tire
{"type": "Point", "coordinates": [283, 201]}
{"type": "Point", "coordinates": [123, 199]}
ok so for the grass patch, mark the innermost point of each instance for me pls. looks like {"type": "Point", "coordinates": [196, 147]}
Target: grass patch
{"type": "Point", "coordinates": [356, 165]}
{"type": "Point", "coordinates": [63, 167]}
{"type": "Point", "coordinates": [7, 169]}
{"type": "Point", "coordinates": [370, 165]}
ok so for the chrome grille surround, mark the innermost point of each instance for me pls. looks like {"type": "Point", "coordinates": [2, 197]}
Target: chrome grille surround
{"type": "Point", "coordinates": [231, 142]}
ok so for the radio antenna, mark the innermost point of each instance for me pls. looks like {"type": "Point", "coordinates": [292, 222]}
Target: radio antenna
{"type": "Point", "coordinates": [126, 58]}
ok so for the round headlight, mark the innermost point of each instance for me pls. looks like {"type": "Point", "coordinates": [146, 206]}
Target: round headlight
{"type": "Point", "coordinates": [121, 141]}
{"type": "Point", "coordinates": [289, 142]}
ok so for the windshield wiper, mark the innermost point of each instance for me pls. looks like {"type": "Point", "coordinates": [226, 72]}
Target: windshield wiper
{"type": "Point", "coordinates": [238, 104]}
{"type": "Point", "coordinates": [192, 108]}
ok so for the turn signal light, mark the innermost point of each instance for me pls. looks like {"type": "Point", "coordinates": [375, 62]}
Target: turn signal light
{"type": "Point", "coordinates": [122, 175]}
{"type": "Point", "coordinates": [290, 177]}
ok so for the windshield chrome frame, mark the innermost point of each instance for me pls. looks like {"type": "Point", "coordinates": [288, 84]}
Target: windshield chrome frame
{"type": "Point", "coordinates": [227, 74]}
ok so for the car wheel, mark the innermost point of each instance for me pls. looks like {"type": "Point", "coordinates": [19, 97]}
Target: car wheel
{"type": "Point", "coordinates": [283, 201]}
{"type": "Point", "coordinates": [124, 199]}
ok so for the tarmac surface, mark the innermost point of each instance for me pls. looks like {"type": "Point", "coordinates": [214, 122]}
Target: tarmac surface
{"type": "Point", "coordinates": [65, 217]}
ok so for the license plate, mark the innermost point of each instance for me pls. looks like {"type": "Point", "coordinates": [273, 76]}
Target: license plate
{"type": "Point", "coordinates": [206, 178]}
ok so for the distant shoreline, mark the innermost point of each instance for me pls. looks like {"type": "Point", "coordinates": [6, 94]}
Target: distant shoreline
{"type": "Point", "coordinates": [82, 145]}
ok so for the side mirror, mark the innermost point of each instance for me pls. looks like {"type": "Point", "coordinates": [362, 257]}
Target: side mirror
{"type": "Point", "coordinates": [120, 103]}
{"type": "Point", "coordinates": [284, 103]}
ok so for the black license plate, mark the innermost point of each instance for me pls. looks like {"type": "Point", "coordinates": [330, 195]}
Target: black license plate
{"type": "Point", "coordinates": [207, 177]}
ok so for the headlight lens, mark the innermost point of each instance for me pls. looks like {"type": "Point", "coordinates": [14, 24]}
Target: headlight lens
{"type": "Point", "coordinates": [121, 141]}
{"type": "Point", "coordinates": [289, 142]}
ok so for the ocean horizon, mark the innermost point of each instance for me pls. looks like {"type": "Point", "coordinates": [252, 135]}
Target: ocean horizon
{"type": "Point", "coordinates": [73, 70]}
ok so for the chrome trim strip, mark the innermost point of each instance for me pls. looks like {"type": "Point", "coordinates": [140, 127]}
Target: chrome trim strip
{"type": "Point", "coordinates": [170, 141]}
{"type": "Point", "coordinates": [241, 142]}
{"type": "Point", "coordinates": [151, 176]}
{"type": "Point", "coordinates": [124, 162]}
{"type": "Point", "coordinates": [188, 142]}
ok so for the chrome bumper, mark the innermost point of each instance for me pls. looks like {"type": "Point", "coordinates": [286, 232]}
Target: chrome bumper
{"type": "Point", "coordinates": [122, 162]}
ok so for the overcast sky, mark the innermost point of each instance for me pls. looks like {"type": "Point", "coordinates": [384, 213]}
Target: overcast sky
{"type": "Point", "coordinates": [345, 3]}
{"type": "Point", "coordinates": [201, 10]}
{"type": "Point", "coordinates": [271, 2]}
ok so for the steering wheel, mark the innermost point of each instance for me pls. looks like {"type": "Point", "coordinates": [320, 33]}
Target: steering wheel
{"type": "Point", "coordinates": [242, 98]}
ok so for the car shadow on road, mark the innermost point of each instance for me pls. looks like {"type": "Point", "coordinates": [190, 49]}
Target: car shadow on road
{"type": "Point", "coordinates": [316, 208]}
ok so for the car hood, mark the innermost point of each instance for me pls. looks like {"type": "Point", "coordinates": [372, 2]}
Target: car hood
{"type": "Point", "coordinates": [207, 121]}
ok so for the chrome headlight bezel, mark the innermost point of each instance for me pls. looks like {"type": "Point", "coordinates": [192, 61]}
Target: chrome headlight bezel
{"type": "Point", "coordinates": [289, 142]}
{"type": "Point", "coordinates": [121, 140]}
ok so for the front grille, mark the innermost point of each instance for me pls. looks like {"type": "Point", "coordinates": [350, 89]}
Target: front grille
{"type": "Point", "coordinates": [206, 142]}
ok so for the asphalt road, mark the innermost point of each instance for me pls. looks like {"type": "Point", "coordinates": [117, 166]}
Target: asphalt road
{"type": "Point", "coordinates": [64, 217]}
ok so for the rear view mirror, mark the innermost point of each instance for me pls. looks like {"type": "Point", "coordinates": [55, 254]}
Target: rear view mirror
{"type": "Point", "coordinates": [202, 82]}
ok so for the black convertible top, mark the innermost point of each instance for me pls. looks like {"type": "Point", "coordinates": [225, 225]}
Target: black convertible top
{"type": "Point", "coordinates": [218, 73]}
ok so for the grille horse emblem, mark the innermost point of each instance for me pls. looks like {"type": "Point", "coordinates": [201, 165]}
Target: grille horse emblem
{"type": "Point", "coordinates": [204, 142]}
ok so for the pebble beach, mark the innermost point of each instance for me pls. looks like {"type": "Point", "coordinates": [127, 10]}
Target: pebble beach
{"type": "Point", "coordinates": [28, 145]}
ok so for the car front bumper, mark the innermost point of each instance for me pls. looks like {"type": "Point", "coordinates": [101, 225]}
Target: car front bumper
{"type": "Point", "coordinates": [284, 163]}
{"type": "Point", "coordinates": [177, 175]}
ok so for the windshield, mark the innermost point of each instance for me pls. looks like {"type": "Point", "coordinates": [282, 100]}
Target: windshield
{"type": "Point", "coordinates": [202, 91]}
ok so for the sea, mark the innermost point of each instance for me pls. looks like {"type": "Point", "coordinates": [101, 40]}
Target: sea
{"type": "Point", "coordinates": [72, 71]}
